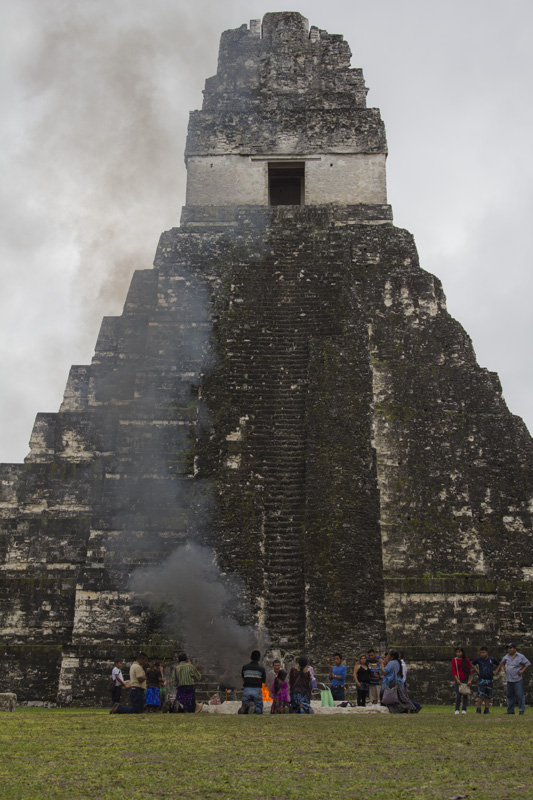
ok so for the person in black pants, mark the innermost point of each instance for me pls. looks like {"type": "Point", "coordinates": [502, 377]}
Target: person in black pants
{"type": "Point", "coordinates": [337, 675]}
{"type": "Point", "coordinates": [361, 674]}
{"type": "Point", "coordinates": [118, 681]}
{"type": "Point", "coordinates": [137, 686]}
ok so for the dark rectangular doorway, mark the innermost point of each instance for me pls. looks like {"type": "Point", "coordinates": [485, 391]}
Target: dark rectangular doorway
{"type": "Point", "coordinates": [286, 185]}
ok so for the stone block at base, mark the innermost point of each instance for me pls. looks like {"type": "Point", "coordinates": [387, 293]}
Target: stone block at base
{"type": "Point", "coordinates": [8, 701]}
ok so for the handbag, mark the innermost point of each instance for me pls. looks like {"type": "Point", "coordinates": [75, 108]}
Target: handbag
{"type": "Point", "coordinates": [390, 694]}
{"type": "Point", "coordinates": [464, 688]}
{"type": "Point", "coordinates": [327, 698]}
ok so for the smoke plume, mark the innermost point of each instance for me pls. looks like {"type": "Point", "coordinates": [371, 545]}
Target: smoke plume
{"type": "Point", "coordinates": [204, 608]}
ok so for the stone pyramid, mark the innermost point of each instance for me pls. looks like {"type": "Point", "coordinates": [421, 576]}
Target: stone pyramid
{"type": "Point", "coordinates": [287, 387]}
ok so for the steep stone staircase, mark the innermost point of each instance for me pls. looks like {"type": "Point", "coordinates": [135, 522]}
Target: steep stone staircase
{"type": "Point", "coordinates": [282, 307]}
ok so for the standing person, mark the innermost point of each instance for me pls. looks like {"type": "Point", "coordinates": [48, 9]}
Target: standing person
{"type": "Point", "coordinates": [393, 677]}
{"type": "Point", "coordinates": [375, 666]}
{"type": "Point", "coordinates": [253, 677]}
{"type": "Point", "coordinates": [337, 675]}
{"type": "Point", "coordinates": [404, 668]}
{"type": "Point", "coordinates": [462, 675]}
{"type": "Point", "coordinates": [137, 683]}
{"type": "Point", "coordinates": [514, 665]}
{"type": "Point", "coordinates": [361, 674]}
{"type": "Point", "coordinates": [162, 683]}
{"type": "Point", "coordinates": [484, 667]}
{"type": "Point", "coordinates": [314, 684]}
{"type": "Point", "coordinates": [187, 675]}
{"type": "Point", "coordinates": [117, 680]}
{"type": "Point", "coordinates": [279, 692]}
{"type": "Point", "coordinates": [153, 684]}
{"type": "Point", "coordinates": [300, 685]}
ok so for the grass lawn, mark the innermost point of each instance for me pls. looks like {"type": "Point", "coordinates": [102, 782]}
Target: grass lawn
{"type": "Point", "coordinates": [78, 754]}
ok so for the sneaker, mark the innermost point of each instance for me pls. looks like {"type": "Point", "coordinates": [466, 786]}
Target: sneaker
{"type": "Point", "coordinates": [243, 709]}
{"type": "Point", "coordinates": [457, 712]}
{"type": "Point", "coordinates": [486, 711]}
{"type": "Point", "coordinates": [114, 709]}
{"type": "Point", "coordinates": [521, 712]}
{"type": "Point", "coordinates": [251, 708]}
{"type": "Point", "coordinates": [198, 708]}
{"type": "Point", "coordinates": [463, 712]}
{"type": "Point", "coordinates": [478, 711]}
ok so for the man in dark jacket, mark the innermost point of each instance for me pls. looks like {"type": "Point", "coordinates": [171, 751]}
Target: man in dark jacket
{"type": "Point", "coordinates": [253, 676]}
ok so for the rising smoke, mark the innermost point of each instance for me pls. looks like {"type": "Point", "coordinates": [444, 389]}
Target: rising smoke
{"type": "Point", "coordinates": [96, 97]}
{"type": "Point", "coordinates": [203, 607]}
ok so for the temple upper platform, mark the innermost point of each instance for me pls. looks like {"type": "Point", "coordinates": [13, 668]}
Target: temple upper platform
{"type": "Point", "coordinates": [284, 122]}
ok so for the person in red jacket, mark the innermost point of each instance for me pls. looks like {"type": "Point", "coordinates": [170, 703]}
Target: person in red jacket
{"type": "Point", "coordinates": [462, 675]}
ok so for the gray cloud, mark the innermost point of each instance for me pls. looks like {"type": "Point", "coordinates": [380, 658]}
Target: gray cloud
{"type": "Point", "coordinates": [95, 99]}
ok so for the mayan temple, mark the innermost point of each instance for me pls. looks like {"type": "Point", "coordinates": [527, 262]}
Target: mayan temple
{"type": "Point", "coordinates": [286, 386]}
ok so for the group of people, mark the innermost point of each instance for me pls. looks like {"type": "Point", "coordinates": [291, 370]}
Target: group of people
{"type": "Point", "coordinates": [513, 664]}
{"type": "Point", "coordinates": [379, 679]}
{"type": "Point", "coordinates": [146, 686]}
{"type": "Point", "coordinates": [289, 693]}
{"type": "Point", "coordinates": [382, 678]}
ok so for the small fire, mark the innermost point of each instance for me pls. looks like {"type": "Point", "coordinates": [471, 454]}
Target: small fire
{"type": "Point", "coordinates": [266, 694]}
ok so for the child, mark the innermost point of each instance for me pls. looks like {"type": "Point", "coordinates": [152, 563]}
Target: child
{"type": "Point", "coordinates": [462, 675]}
{"type": "Point", "coordinates": [484, 666]}
{"type": "Point", "coordinates": [280, 692]}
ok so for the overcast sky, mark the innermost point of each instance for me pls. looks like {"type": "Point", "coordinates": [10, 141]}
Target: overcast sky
{"type": "Point", "coordinates": [95, 96]}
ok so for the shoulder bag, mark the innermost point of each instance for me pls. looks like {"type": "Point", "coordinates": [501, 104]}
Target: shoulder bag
{"type": "Point", "coordinates": [390, 695]}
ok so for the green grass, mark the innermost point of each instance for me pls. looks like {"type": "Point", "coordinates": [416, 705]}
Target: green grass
{"type": "Point", "coordinates": [78, 754]}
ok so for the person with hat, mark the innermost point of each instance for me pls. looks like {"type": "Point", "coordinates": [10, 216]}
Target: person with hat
{"type": "Point", "coordinates": [514, 665]}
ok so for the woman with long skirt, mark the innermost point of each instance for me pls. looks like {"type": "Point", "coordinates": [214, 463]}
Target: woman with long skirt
{"type": "Point", "coordinates": [187, 675]}
{"type": "Point", "coordinates": [300, 685]}
{"type": "Point", "coordinates": [393, 678]}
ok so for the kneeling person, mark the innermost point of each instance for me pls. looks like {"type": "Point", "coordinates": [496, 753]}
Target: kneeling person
{"type": "Point", "coordinates": [187, 675]}
{"type": "Point", "coordinates": [253, 676]}
{"type": "Point", "coordinates": [137, 685]}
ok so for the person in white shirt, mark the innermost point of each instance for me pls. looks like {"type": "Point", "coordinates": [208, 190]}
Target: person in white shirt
{"type": "Point", "coordinates": [117, 680]}
{"type": "Point", "coordinates": [404, 668]}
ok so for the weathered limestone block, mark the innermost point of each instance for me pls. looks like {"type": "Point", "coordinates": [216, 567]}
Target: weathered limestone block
{"type": "Point", "coordinates": [8, 701]}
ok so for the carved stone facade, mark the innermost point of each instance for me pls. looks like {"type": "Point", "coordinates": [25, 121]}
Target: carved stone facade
{"type": "Point", "coordinates": [288, 358]}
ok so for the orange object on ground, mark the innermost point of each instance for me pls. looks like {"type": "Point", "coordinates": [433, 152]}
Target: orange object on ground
{"type": "Point", "coordinates": [266, 694]}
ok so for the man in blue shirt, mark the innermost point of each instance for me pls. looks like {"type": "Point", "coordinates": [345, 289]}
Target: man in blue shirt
{"type": "Point", "coordinates": [514, 665]}
{"type": "Point", "coordinates": [337, 674]}
{"type": "Point", "coordinates": [484, 666]}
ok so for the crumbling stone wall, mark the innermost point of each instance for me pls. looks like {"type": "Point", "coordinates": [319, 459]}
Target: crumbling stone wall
{"type": "Point", "coordinates": [289, 92]}
{"type": "Point", "coordinates": [287, 386]}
